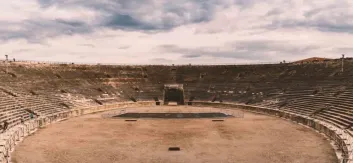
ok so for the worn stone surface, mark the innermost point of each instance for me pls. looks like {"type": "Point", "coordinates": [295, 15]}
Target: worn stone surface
{"type": "Point", "coordinates": [254, 138]}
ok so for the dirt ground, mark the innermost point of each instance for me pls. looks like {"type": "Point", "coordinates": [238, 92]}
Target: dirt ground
{"type": "Point", "coordinates": [252, 139]}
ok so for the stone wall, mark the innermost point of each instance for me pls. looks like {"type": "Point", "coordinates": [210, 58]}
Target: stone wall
{"type": "Point", "coordinates": [14, 135]}
{"type": "Point", "coordinates": [341, 138]}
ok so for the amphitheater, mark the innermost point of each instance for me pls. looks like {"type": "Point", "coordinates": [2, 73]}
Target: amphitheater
{"type": "Point", "coordinates": [288, 112]}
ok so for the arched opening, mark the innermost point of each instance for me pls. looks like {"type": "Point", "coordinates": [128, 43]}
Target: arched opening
{"type": "Point", "coordinates": [174, 93]}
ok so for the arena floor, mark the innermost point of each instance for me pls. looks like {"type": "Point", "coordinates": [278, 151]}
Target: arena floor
{"type": "Point", "coordinates": [252, 139]}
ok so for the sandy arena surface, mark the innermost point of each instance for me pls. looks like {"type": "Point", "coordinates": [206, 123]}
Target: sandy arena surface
{"type": "Point", "coordinates": [252, 139]}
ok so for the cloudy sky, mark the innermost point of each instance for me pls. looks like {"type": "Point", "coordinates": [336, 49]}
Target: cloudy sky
{"type": "Point", "coordinates": [175, 31]}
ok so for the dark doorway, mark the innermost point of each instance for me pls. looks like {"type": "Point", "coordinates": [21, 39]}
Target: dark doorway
{"type": "Point", "coordinates": [174, 93]}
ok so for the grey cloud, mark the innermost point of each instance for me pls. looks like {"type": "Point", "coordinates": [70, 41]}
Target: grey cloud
{"type": "Point", "coordinates": [346, 49]}
{"type": "Point", "coordinates": [328, 26]}
{"type": "Point", "coordinates": [245, 3]}
{"type": "Point", "coordinates": [343, 50]}
{"type": "Point", "coordinates": [268, 45]}
{"type": "Point", "coordinates": [255, 50]}
{"type": "Point", "coordinates": [87, 45]}
{"type": "Point", "coordinates": [36, 30]}
{"type": "Point", "coordinates": [158, 16]}
{"type": "Point", "coordinates": [168, 46]}
{"type": "Point", "coordinates": [205, 51]}
{"type": "Point", "coordinates": [127, 22]}
{"type": "Point", "coordinates": [324, 25]}
{"type": "Point", "coordinates": [335, 17]}
{"type": "Point", "coordinates": [275, 11]}
{"type": "Point", "coordinates": [332, 8]}
{"type": "Point", "coordinates": [192, 55]}
{"type": "Point", "coordinates": [72, 3]}
{"type": "Point", "coordinates": [45, 3]}
{"type": "Point", "coordinates": [313, 12]}
{"type": "Point", "coordinates": [161, 60]}
{"type": "Point", "coordinates": [134, 15]}
{"type": "Point", "coordinates": [145, 14]}
{"type": "Point", "coordinates": [70, 22]}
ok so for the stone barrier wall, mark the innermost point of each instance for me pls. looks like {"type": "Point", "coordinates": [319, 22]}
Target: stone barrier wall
{"type": "Point", "coordinates": [16, 134]}
{"type": "Point", "coordinates": [341, 138]}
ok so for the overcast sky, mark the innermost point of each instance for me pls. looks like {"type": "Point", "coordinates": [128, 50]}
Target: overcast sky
{"type": "Point", "coordinates": [175, 31]}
